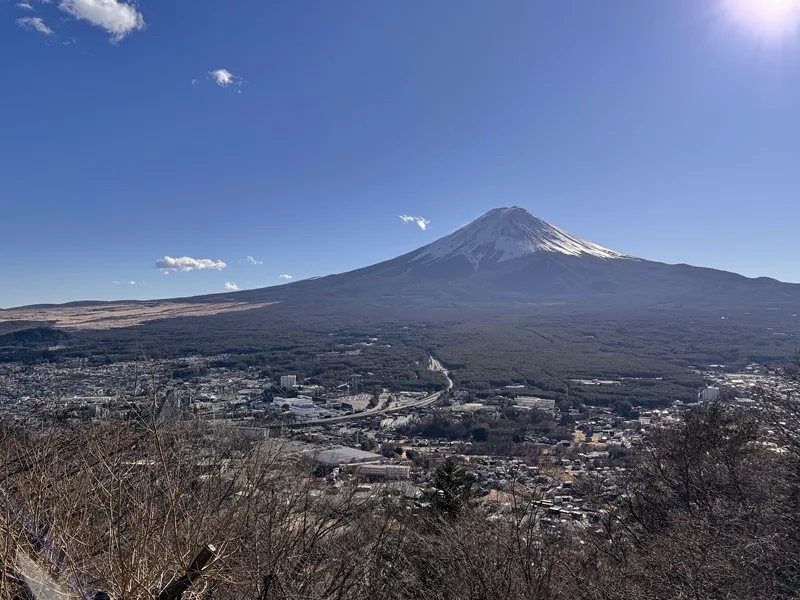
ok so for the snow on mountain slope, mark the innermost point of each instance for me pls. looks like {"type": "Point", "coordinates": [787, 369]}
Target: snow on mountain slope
{"type": "Point", "coordinates": [506, 233]}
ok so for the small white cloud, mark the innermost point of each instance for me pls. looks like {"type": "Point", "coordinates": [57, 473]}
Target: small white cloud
{"type": "Point", "coordinates": [253, 261]}
{"type": "Point", "coordinates": [131, 282]}
{"type": "Point", "coordinates": [117, 18]}
{"type": "Point", "coordinates": [284, 276]}
{"type": "Point", "coordinates": [24, 6]}
{"type": "Point", "coordinates": [225, 78]}
{"type": "Point", "coordinates": [194, 81]}
{"type": "Point", "coordinates": [420, 222]}
{"type": "Point", "coordinates": [34, 23]}
{"type": "Point", "coordinates": [186, 263]}
{"type": "Point", "coordinates": [231, 286]}
{"type": "Point", "coordinates": [115, 282]}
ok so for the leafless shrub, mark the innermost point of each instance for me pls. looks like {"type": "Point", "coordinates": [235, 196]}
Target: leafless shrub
{"type": "Point", "coordinates": [707, 511]}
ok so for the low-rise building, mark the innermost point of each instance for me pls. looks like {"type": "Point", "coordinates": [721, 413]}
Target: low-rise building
{"type": "Point", "coordinates": [378, 471]}
{"type": "Point", "coordinates": [545, 404]}
{"type": "Point", "coordinates": [344, 455]}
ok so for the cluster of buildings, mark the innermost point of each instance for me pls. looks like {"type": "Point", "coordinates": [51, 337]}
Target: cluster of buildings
{"type": "Point", "coordinates": [320, 421]}
{"type": "Point", "coordinates": [742, 387]}
{"type": "Point", "coordinates": [75, 391]}
{"type": "Point", "coordinates": [363, 464]}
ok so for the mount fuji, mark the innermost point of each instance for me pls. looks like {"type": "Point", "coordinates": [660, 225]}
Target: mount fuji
{"type": "Point", "coordinates": [507, 233]}
{"type": "Point", "coordinates": [508, 254]}
{"type": "Point", "coordinates": [506, 299]}
{"type": "Point", "coordinates": [505, 257]}
{"type": "Point", "coordinates": [506, 289]}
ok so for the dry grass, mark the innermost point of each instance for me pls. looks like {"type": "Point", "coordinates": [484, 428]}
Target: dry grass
{"type": "Point", "coordinates": [113, 316]}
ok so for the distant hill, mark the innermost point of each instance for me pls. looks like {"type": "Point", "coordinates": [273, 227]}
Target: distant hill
{"type": "Point", "coordinates": [33, 336]}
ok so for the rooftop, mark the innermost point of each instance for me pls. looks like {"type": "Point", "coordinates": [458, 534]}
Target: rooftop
{"type": "Point", "coordinates": [345, 455]}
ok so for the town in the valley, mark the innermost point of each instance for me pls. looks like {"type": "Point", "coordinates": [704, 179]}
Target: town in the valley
{"type": "Point", "coordinates": [386, 441]}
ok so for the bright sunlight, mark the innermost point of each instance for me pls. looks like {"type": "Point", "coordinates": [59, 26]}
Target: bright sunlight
{"type": "Point", "coordinates": [768, 20]}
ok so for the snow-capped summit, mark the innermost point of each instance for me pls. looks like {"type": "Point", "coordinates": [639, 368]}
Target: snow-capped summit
{"type": "Point", "coordinates": [506, 233]}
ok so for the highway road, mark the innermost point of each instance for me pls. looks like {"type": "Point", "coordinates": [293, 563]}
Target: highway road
{"type": "Point", "coordinates": [435, 365]}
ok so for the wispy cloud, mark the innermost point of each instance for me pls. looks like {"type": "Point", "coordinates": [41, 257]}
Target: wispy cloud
{"type": "Point", "coordinates": [131, 282]}
{"type": "Point", "coordinates": [34, 23]}
{"type": "Point", "coordinates": [24, 5]}
{"type": "Point", "coordinates": [420, 222]}
{"type": "Point", "coordinates": [186, 263]}
{"type": "Point", "coordinates": [115, 282]}
{"type": "Point", "coordinates": [231, 286]}
{"type": "Point", "coordinates": [225, 78]}
{"type": "Point", "coordinates": [117, 18]}
{"type": "Point", "coordinates": [194, 81]}
{"type": "Point", "coordinates": [253, 261]}
{"type": "Point", "coordinates": [286, 277]}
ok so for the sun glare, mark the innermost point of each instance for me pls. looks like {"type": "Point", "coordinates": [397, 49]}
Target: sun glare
{"type": "Point", "coordinates": [769, 20]}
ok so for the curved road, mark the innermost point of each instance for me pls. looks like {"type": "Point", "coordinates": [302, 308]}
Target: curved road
{"type": "Point", "coordinates": [435, 365]}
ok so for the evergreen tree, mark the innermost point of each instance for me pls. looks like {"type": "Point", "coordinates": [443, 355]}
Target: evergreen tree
{"type": "Point", "coordinates": [452, 490]}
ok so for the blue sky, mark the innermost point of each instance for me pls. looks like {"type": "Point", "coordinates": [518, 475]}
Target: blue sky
{"type": "Point", "coordinates": [665, 129]}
